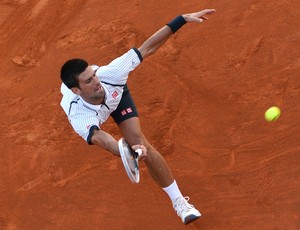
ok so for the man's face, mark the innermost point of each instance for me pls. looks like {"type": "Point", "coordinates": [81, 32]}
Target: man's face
{"type": "Point", "coordinates": [90, 87]}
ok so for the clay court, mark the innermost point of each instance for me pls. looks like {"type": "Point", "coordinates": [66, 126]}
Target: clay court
{"type": "Point", "coordinates": [201, 100]}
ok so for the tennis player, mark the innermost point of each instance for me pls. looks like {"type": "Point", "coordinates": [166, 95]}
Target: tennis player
{"type": "Point", "coordinates": [92, 93]}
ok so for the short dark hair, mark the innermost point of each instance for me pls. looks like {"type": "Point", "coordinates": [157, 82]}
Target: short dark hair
{"type": "Point", "coordinates": [71, 70]}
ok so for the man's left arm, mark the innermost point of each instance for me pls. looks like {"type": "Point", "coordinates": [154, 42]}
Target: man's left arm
{"type": "Point", "coordinates": [161, 36]}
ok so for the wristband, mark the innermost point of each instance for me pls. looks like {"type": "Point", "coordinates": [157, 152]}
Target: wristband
{"type": "Point", "coordinates": [176, 23]}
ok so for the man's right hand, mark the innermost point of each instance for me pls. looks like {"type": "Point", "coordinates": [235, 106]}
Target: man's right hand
{"type": "Point", "coordinates": [143, 149]}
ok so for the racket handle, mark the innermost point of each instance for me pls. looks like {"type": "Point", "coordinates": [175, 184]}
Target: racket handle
{"type": "Point", "coordinates": [139, 152]}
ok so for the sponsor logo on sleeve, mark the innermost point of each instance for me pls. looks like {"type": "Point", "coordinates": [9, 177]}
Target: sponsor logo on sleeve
{"type": "Point", "coordinates": [115, 94]}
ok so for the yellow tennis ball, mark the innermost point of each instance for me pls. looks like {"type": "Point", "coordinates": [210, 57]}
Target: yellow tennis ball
{"type": "Point", "coordinates": [272, 114]}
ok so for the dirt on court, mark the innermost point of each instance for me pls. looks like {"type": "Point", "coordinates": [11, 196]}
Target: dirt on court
{"type": "Point", "coordinates": [201, 100]}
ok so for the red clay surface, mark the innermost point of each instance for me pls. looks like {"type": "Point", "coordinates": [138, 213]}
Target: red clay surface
{"type": "Point", "coordinates": [201, 98]}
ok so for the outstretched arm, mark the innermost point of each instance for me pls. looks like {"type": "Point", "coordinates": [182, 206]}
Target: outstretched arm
{"type": "Point", "coordinates": [161, 36]}
{"type": "Point", "coordinates": [107, 142]}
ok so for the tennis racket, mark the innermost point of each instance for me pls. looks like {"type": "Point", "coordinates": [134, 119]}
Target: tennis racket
{"type": "Point", "coordinates": [130, 160]}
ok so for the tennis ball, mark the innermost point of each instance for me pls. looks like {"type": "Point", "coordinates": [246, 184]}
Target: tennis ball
{"type": "Point", "coordinates": [272, 114]}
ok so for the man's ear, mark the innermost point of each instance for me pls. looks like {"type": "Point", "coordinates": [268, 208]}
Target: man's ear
{"type": "Point", "coordinates": [76, 90]}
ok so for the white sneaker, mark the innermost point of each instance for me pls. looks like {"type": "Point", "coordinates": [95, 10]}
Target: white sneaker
{"type": "Point", "coordinates": [187, 212]}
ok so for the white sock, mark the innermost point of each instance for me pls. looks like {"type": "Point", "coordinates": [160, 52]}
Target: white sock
{"type": "Point", "coordinates": [173, 191]}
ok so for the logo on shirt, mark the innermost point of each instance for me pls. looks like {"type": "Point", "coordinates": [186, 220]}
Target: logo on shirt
{"type": "Point", "coordinates": [126, 111]}
{"type": "Point", "coordinates": [115, 94]}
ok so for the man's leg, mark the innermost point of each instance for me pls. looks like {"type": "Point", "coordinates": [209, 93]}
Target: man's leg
{"type": "Point", "coordinates": [126, 116]}
{"type": "Point", "coordinates": [159, 170]}
{"type": "Point", "coordinates": [156, 164]}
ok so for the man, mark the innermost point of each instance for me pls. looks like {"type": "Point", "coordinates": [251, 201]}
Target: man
{"type": "Point", "coordinates": [91, 94]}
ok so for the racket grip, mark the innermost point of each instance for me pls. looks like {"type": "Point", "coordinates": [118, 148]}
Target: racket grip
{"type": "Point", "coordinates": [139, 152]}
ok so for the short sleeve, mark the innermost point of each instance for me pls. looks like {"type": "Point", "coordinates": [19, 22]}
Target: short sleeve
{"type": "Point", "coordinates": [116, 72]}
{"type": "Point", "coordinates": [84, 125]}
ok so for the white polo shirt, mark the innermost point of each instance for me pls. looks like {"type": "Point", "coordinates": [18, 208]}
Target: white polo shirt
{"type": "Point", "coordinates": [84, 116]}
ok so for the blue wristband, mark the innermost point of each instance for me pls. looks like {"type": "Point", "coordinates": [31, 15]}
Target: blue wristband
{"type": "Point", "coordinates": [176, 23]}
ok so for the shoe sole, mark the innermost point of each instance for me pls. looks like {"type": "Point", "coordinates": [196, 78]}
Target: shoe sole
{"type": "Point", "coordinates": [191, 218]}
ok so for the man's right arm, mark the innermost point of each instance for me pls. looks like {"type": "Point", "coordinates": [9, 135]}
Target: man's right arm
{"type": "Point", "coordinates": [105, 141]}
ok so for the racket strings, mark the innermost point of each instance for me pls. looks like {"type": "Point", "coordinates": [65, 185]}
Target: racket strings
{"type": "Point", "coordinates": [132, 160]}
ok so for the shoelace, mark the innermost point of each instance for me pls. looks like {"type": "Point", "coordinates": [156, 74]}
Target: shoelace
{"type": "Point", "coordinates": [182, 205]}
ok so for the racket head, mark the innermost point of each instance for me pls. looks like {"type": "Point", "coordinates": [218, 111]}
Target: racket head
{"type": "Point", "coordinates": [130, 161]}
